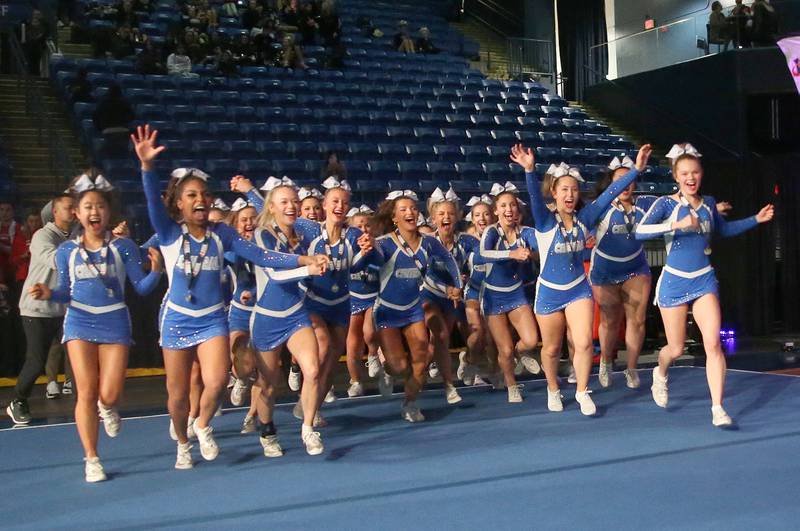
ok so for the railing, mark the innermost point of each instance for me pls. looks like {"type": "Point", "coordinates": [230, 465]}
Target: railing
{"type": "Point", "coordinates": [58, 158]}
{"type": "Point", "coordinates": [532, 58]}
{"type": "Point", "coordinates": [496, 16]}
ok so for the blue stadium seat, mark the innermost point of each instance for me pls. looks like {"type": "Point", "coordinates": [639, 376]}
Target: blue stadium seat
{"type": "Point", "coordinates": [578, 114]}
{"type": "Point", "coordinates": [551, 124]}
{"type": "Point", "coordinates": [282, 99]}
{"type": "Point", "coordinates": [416, 106]}
{"type": "Point", "coordinates": [392, 152]}
{"type": "Point", "coordinates": [474, 153]}
{"type": "Point", "coordinates": [242, 113]}
{"type": "Point", "coordinates": [255, 168]}
{"type": "Point", "coordinates": [254, 98]}
{"type": "Point", "coordinates": [550, 139]}
{"type": "Point", "coordinates": [169, 96]}
{"type": "Point", "coordinates": [407, 118]}
{"type": "Point", "coordinates": [462, 107]}
{"type": "Point", "coordinates": [383, 170]}
{"type": "Point", "coordinates": [311, 100]}
{"type": "Point", "coordinates": [442, 170]}
{"type": "Point", "coordinates": [338, 147]}
{"type": "Point", "coordinates": [286, 131]}
{"type": "Point", "coordinates": [421, 152]}
{"type": "Point", "coordinates": [139, 96]}
{"type": "Point", "coordinates": [454, 136]}
{"type": "Point", "coordinates": [363, 151]}
{"type": "Point", "coordinates": [512, 97]}
{"type": "Point", "coordinates": [372, 133]}
{"type": "Point", "coordinates": [541, 168]}
{"type": "Point", "coordinates": [327, 116]}
{"type": "Point", "coordinates": [573, 155]}
{"type": "Point", "coordinates": [458, 120]}
{"type": "Point", "coordinates": [209, 149]}
{"type": "Point", "coordinates": [357, 169]}
{"type": "Point", "coordinates": [211, 113]}
{"type": "Point", "coordinates": [400, 134]}
{"type": "Point", "coordinates": [486, 108]}
{"type": "Point", "coordinates": [593, 172]}
{"type": "Point", "coordinates": [389, 104]}
{"type": "Point", "coordinates": [180, 113]}
{"type": "Point", "coordinates": [176, 149]}
{"type": "Point", "coordinates": [148, 111]}
{"type": "Point", "coordinates": [531, 110]}
{"type": "Point", "coordinates": [271, 150]}
{"type": "Point", "coordinates": [293, 168]}
{"type": "Point", "coordinates": [553, 112]}
{"type": "Point", "coordinates": [503, 138]}
{"type": "Point", "coordinates": [554, 100]}
{"type": "Point", "coordinates": [226, 131]}
{"type": "Point", "coordinates": [574, 140]}
{"type": "Point", "coordinates": [345, 133]}
{"type": "Point", "coordinates": [572, 125]}
{"type": "Point", "coordinates": [505, 122]}
{"type": "Point", "coordinates": [299, 115]}
{"type": "Point", "coordinates": [362, 102]}
{"type": "Point", "coordinates": [413, 170]}
{"type": "Point", "coordinates": [303, 150]}
{"type": "Point", "coordinates": [162, 82]}
{"type": "Point", "coordinates": [434, 119]}
{"type": "Point", "coordinates": [500, 153]}
{"type": "Point", "coordinates": [478, 137]}
{"type": "Point", "coordinates": [439, 106]}
{"type": "Point", "coordinates": [194, 130]}
{"type": "Point", "coordinates": [202, 97]}
{"type": "Point", "coordinates": [240, 149]}
{"type": "Point", "coordinates": [496, 171]}
{"type": "Point", "coordinates": [270, 114]}
{"type": "Point", "coordinates": [469, 170]}
{"type": "Point", "coordinates": [316, 132]}
{"type": "Point", "coordinates": [533, 99]}
{"type": "Point", "coordinates": [427, 135]}
{"type": "Point", "coordinates": [548, 154]}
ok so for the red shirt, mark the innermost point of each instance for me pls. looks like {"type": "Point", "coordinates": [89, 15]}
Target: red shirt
{"type": "Point", "coordinates": [20, 255]}
{"type": "Point", "coordinates": [8, 231]}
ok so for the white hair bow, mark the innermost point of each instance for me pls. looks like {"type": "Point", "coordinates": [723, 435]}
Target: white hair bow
{"type": "Point", "coordinates": [682, 149]}
{"type": "Point", "coordinates": [474, 200]}
{"type": "Point", "coordinates": [333, 182]}
{"type": "Point", "coordinates": [498, 188]}
{"type": "Point", "coordinates": [421, 221]}
{"type": "Point", "coordinates": [274, 182]}
{"type": "Point", "coordinates": [562, 170]}
{"type": "Point", "coordinates": [182, 173]}
{"type": "Point", "coordinates": [438, 195]}
{"type": "Point", "coordinates": [84, 183]}
{"type": "Point", "coordinates": [305, 193]}
{"type": "Point", "coordinates": [468, 217]}
{"type": "Point", "coordinates": [363, 209]}
{"type": "Point", "coordinates": [240, 204]}
{"type": "Point", "coordinates": [626, 162]}
{"type": "Point", "coordinates": [219, 204]}
{"type": "Point", "coordinates": [396, 194]}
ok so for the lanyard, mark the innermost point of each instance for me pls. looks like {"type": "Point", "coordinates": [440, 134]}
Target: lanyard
{"type": "Point", "coordinates": [454, 252]}
{"type": "Point", "coordinates": [98, 269]}
{"type": "Point", "coordinates": [693, 211]}
{"type": "Point", "coordinates": [335, 260]}
{"type": "Point", "coordinates": [192, 271]}
{"type": "Point", "coordinates": [629, 217]}
{"type": "Point", "coordinates": [518, 240]}
{"type": "Point", "coordinates": [570, 237]}
{"type": "Point", "coordinates": [280, 235]}
{"type": "Point", "coordinates": [411, 254]}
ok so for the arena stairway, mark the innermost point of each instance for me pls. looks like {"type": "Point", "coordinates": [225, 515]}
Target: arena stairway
{"type": "Point", "coordinates": [493, 56]}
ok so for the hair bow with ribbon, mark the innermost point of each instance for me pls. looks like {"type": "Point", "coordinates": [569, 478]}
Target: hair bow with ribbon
{"type": "Point", "coordinates": [240, 204]}
{"type": "Point", "coordinates": [333, 182]}
{"type": "Point", "coordinates": [474, 200]}
{"type": "Point", "coordinates": [274, 182]}
{"type": "Point", "coordinates": [682, 149]}
{"type": "Point", "coordinates": [421, 221]}
{"type": "Point", "coordinates": [439, 196]}
{"type": "Point", "coordinates": [397, 194]}
{"type": "Point", "coordinates": [616, 163]}
{"type": "Point", "coordinates": [84, 184]}
{"type": "Point", "coordinates": [219, 204]}
{"type": "Point", "coordinates": [498, 189]}
{"type": "Point", "coordinates": [305, 193]}
{"type": "Point", "coordinates": [362, 210]}
{"type": "Point", "coordinates": [184, 173]}
{"type": "Point", "coordinates": [562, 170]}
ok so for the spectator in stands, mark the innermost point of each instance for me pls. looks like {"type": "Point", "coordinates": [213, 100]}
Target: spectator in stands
{"type": "Point", "coordinates": [718, 26]}
{"type": "Point", "coordinates": [194, 44]}
{"type": "Point", "coordinates": [330, 26]}
{"type": "Point", "coordinates": [80, 90]}
{"type": "Point", "coordinates": [264, 40]}
{"type": "Point", "coordinates": [229, 9]}
{"type": "Point", "coordinates": [292, 54]}
{"type": "Point", "coordinates": [252, 15]}
{"type": "Point", "coordinates": [112, 118]}
{"type": "Point", "coordinates": [149, 62]}
{"type": "Point", "coordinates": [9, 229]}
{"type": "Point", "coordinates": [20, 248]}
{"type": "Point", "coordinates": [224, 63]}
{"type": "Point", "coordinates": [424, 43]}
{"type": "Point", "coordinates": [765, 24]}
{"type": "Point", "coordinates": [308, 23]}
{"type": "Point", "coordinates": [34, 37]}
{"type": "Point", "coordinates": [291, 17]}
{"type": "Point", "coordinates": [143, 5]}
{"type": "Point", "coordinates": [402, 41]}
{"type": "Point", "coordinates": [331, 165]}
{"type": "Point", "coordinates": [178, 63]}
{"type": "Point", "coordinates": [122, 44]}
{"type": "Point", "coordinates": [126, 14]}
{"type": "Point", "coordinates": [244, 53]}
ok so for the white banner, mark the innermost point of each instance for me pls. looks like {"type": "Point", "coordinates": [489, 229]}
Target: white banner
{"type": "Point", "coordinates": [791, 49]}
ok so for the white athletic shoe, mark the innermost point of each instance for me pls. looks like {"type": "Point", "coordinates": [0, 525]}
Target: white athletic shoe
{"type": "Point", "coordinates": [719, 417]}
{"type": "Point", "coordinates": [248, 424]}
{"type": "Point", "coordinates": [294, 379]}
{"type": "Point", "coordinates": [66, 389]}
{"type": "Point", "coordinates": [373, 365]}
{"type": "Point", "coordinates": [605, 374]}
{"type": "Point", "coordinates": [52, 390]}
{"type": "Point", "coordinates": [515, 394]}
{"type": "Point", "coordinates": [231, 380]}
{"type": "Point", "coordinates": [451, 394]}
{"type": "Point", "coordinates": [410, 412]}
{"type": "Point", "coordinates": [190, 434]}
{"type": "Point", "coordinates": [330, 397]}
{"type": "Point", "coordinates": [94, 470]}
{"type": "Point", "coordinates": [297, 411]}
{"type": "Point", "coordinates": [479, 380]}
{"type": "Point", "coordinates": [433, 370]}
{"type": "Point", "coordinates": [111, 420]}
{"type": "Point", "coordinates": [184, 459]}
{"type": "Point", "coordinates": [572, 378]}
{"type": "Point", "coordinates": [218, 412]}
{"type": "Point", "coordinates": [313, 442]}
{"type": "Point", "coordinates": [632, 378]}
{"type": "Point", "coordinates": [271, 446]}
{"type": "Point", "coordinates": [208, 446]}
{"type": "Point", "coordinates": [554, 400]}
{"type": "Point", "coordinates": [585, 400]}
{"type": "Point", "coordinates": [519, 367]}
{"type": "Point", "coordinates": [385, 384]}
{"type": "Point", "coordinates": [530, 364]}
{"type": "Point", "coordinates": [355, 389]}
{"type": "Point", "coordinates": [239, 391]}
{"type": "Point", "coordinates": [172, 434]}
{"type": "Point", "coordinates": [659, 389]}
{"type": "Point", "coordinates": [462, 364]}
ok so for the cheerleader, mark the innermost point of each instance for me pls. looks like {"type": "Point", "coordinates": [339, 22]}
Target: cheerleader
{"type": "Point", "coordinates": [280, 318]}
{"type": "Point", "coordinates": [406, 256]}
{"type": "Point", "coordinates": [441, 314]}
{"type": "Point", "coordinates": [97, 330]}
{"type": "Point", "coordinates": [220, 211]}
{"type": "Point", "coordinates": [311, 204]}
{"type": "Point", "coordinates": [563, 295]}
{"type": "Point", "coordinates": [503, 247]}
{"type": "Point", "coordinates": [193, 321]}
{"type": "Point", "coordinates": [328, 296]}
{"type": "Point", "coordinates": [687, 221]}
{"type": "Point", "coordinates": [620, 275]}
{"type": "Point", "coordinates": [363, 291]}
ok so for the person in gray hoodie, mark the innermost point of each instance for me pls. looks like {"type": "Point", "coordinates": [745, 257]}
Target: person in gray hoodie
{"type": "Point", "coordinates": [41, 320]}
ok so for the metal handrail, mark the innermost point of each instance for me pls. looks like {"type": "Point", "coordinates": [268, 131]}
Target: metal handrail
{"type": "Point", "coordinates": [526, 58]}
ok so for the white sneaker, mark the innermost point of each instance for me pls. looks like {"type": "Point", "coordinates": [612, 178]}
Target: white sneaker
{"type": "Point", "coordinates": [313, 442]}
{"type": "Point", "coordinates": [218, 412]}
{"type": "Point", "coordinates": [239, 391]}
{"type": "Point", "coordinates": [355, 389]}
{"type": "Point", "coordinates": [52, 390]}
{"type": "Point", "coordinates": [515, 394]}
{"type": "Point", "coordinates": [530, 364]}
{"type": "Point", "coordinates": [330, 397]}
{"type": "Point", "coordinates": [373, 365]}
{"type": "Point", "coordinates": [172, 434]}
{"type": "Point", "coordinates": [462, 364]}
{"type": "Point", "coordinates": [719, 417]}
{"type": "Point", "coordinates": [271, 446]}
{"type": "Point", "coordinates": [572, 378]}
{"type": "Point", "coordinates": [632, 378]}
{"type": "Point", "coordinates": [519, 367]}
{"type": "Point", "coordinates": [248, 425]}
{"type": "Point", "coordinates": [111, 420]}
{"type": "Point", "coordinates": [479, 380]}
{"type": "Point", "coordinates": [659, 389]}
{"type": "Point", "coordinates": [385, 384]}
{"type": "Point", "coordinates": [587, 404]}
{"type": "Point", "coordinates": [554, 400]}
{"type": "Point", "coordinates": [208, 446]}
{"type": "Point", "coordinates": [94, 470]}
{"type": "Point", "coordinates": [184, 459]}
{"type": "Point", "coordinates": [190, 434]}
{"type": "Point", "coordinates": [297, 411]}
{"type": "Point", "coordinates": [294, 380]}
{"type": "Point", "coordinates": [231, 380]}
{"type": "Point", "coordinates": [451, 394]}
{"type": "Point", "coordinates": [411, 412]}
{"type": "Point", "coordinates": [66, 389]}
{"type": "Point", "coordinates": [433, 370]}
{"type": "Point", "coordinates": [604, 376]}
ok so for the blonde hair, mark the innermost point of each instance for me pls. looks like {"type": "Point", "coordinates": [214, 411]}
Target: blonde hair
{"type": "Point", "coordinates": [265, 219]}
{"type": "Point", "coordinates": [433, 206]}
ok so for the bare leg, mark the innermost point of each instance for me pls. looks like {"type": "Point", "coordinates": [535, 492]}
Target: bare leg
{"type": "Point", "coordinates": [635, 295]}
{"type": "Point", "coordinates": [86, 369]}
{"type": "Point", "coordinates": [214, 364]}
{"type": "Point", "coordinates": [706, 313]}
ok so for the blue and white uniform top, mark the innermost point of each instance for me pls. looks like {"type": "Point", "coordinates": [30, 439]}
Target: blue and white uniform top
{"type": "Point", "coordinates": [438, 276]}
{"type": "Point", "coordinates": [687, 273]}
{"type": "Point", "coordinates": [501, 272]}
{"type": "Point", "coordinates": [617, 255]}
{"type": "Point", "coordinates": [242, 278]}
{"type": "Point", "coordinates": [562, 277]}
{"type": "Point", "coordinates": [279, 293]}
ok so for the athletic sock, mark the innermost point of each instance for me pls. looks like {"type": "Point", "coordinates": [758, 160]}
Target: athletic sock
{"type": "Point", "coordinates": [306, 430]}
{"type": "Point", "coordinates": [268, 429]}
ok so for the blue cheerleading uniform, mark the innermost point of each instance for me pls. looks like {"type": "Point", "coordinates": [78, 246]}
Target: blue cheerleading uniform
{"type": "Point", "coordinates": [502, 290]}
{"type": "Point", "coordinates": [618, 256]}
{"type": "Point", "coordinates": [476, 275]}
{"type": "Point", "coordinates": [364, 287]}
{"type": "Point", "coordinates": [242, 278]}
{"type": "Point", "coordinates": [279, 310]}
{"type": "Point", "coordinates": [193, 310]}
{"type": "Point", "coordinates": [435, 284]}
{"type": "Point", "coordinates": [687, 274]}
{"type": "Point", "coordinates": [402, 274]}
{"type": "Point", "coordinates": [95, 293]}
{"type": "Point", "coordinates": [562, 277]}
{"type": "Point", "coordinates": [328, 296]}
